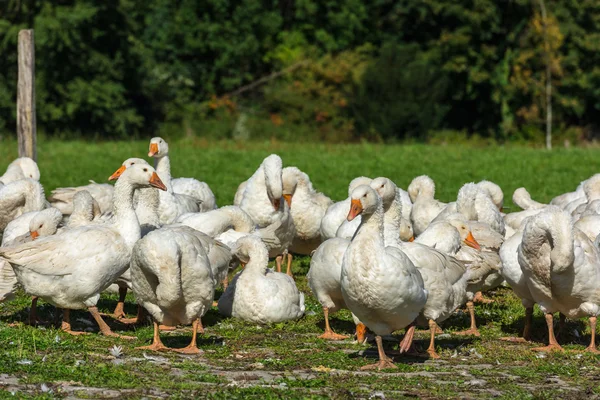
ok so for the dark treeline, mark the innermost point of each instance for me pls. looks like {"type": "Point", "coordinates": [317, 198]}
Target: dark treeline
{"type": "Point", "coordinates": [331, 69]}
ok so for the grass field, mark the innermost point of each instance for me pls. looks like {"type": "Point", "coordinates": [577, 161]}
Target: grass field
{"type": "Point", "coordinates": [287, 360]}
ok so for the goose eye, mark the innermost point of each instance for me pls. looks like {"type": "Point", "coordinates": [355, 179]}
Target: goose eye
{"type": "Point", "coordinates": [42, 225]}
{"type": "Point", "coordinates": [31, 176]}
{"type": "Point", "coordinates": [131, 163]}
{"type": "Point", "coordinates": [145, 169]}
{"type": "Point", "coordinates": [365, 195]}
{"type": "Point", "coordinates": [382, 186]}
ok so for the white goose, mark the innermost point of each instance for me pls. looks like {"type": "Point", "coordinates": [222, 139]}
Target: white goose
{"type": "Point", "coordinates": [172, 279]}
{"type": "Point", "coordinates": [425, 207]}
{"type": "Point", "coordinates": [444, 277]}
{"type": "Point", "coordinates": [336, 213]}
{"type": "Point", "coordinates": [512, 273]}
{"type": "Point", "coordinates": [258, 294]}
{"type": "Point", "coordinates": [562, 269]}
{"type": "Point", "coordinates": [19, 197]}
{"type": "Point", "coordinates": [20, 168]}
{"type": "Point", "coordinates": [324, 281]}
{"type": "Point", "coordinates": [262, 200]}
{"type": "Point", "coordinates": [62, 198]}
{"type": "Point", "coordinates": [40, 224]}
{"type": "Point", "coordinates": [182, 187]}
{"type": "Point", "coordinates": [72, 277]}
{"type": "Point", "coordinates": [380, 284]}
{"type": "Point", "coordinates": [307, 207]}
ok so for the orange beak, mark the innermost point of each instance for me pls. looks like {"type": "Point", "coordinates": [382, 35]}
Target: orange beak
{"type": "Point", "coordinates": [355, 209]}
{"type": "Point", "coordinates": [156, 182]}
{"type": "Point", "coordinates": [276, 203]}
{"type": "Point", "coordinates": [117, 173]}
{"type": "Point", "coordinates": [412, 239]}
{"type": "Point", "coordinates": [34, 235]}
{"type": "Point", "coordinates": [288, 199]}
{"type": "Point", "coordinates": [471, 242]}
{"type": "Point", "coordinates": [153, 149]}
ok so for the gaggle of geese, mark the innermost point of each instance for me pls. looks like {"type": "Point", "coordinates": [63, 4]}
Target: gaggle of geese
{"type": "Point", "coordinates": [396, 259]}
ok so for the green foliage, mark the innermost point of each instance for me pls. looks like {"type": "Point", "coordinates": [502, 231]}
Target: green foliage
{"type": "Point", "coordinates": [129, 67]}
{"type": "Point", "coordinates": [401, 94]}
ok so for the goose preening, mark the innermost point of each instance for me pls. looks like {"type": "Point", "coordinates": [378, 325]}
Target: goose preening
{"type": "Point", "coordinates": [72, 276]}
{"type": "Point", "coordinates": [562, 269]}
{"type": "Point", "coordinates": [258, 294]}
{"type": "Point", "coordinates": [380, 284]}
{"type": "Point", "coordinates": [307, 207]}
{"type": "Point", "coordinates": [425, 207]}
{"type": "Point", "coordinates": [263, 201]}
{"type": "Point", "coordinates": [19, 197]}
{"type": "Point", "coordinates": [20, 168]}
{"type": "Point", "coordinates": [173, 280]}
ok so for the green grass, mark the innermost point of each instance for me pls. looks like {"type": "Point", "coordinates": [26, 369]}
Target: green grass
{"type": "Point", "coordinates": [287, 360]}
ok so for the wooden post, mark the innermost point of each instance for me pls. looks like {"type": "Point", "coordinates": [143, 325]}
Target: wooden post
{"type": "Point", "coordinates": [26, 130]}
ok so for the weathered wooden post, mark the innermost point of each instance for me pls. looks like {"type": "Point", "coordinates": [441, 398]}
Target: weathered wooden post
{"type": "Point", "coordinates": [26, 130]}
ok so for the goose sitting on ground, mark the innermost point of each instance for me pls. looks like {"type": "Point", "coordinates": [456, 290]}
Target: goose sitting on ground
{"type": "Point", "coordinates": [72, 277]}
{"type": "Point", "coordinates": [307, 207]}
{"type": "Point", "coordinates": [336, 213]}
{"type": "Point", "coordinates": [444, 277]}
{"type": "Point", "coordinates": [425, 207]}
{"type": "Point", "coordinates": [21, 168]}
{"type": "Point", "coordinates": [258, 294]}
{"type": "Point", "coordinates": [172, 279]}
{"type": "Point", "coordinates": [562, 270]}
{"type": "Point", "coordinates": [183, 189]}
{"type": "Point", "coordinates": [19, 197]}
{"type": "Point", "coordinates": [380, 284]}
{"type": "Point", "coordinates": [263, 201]}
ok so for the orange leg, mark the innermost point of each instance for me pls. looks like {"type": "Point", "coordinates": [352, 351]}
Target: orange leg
{"type": "Point", "coordinates": [66, 324]}
{"type": "Point", "coordinates": [329, 333]}
{"type": "Point", "coordinates": [431, 349]}
{"type": "Point", "coordinates": [157, 344]}
{"type": "Point", "coordinates": [105, 329]}
{"type": "Point", "coordinates": [552, 343]}
{"type": "Point", "coordinates": [592, 347]}
{"type": "Point", "coordinates": [120, 308]}
{"type": "Point", "coordinates": [406, 342]}
{"type": "Point", "coordinates": [473, 329]}
{"type": "Point", "coordinates": [191, 348]}
{"type": "Point", "coordinates": [384, 361]}
{"type": "Point", "coordinates": [289, 265]}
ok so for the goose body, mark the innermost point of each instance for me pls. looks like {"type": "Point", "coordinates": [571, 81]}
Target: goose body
{"type": "Point", "coordinates": [380, 284]}
{"type": "Point", "coordinates": [562, 269]}
{"type": "Point", "coordinates": [72, 276]}
{"type": "Point", "coordinates": [258, 294]}
{"type": "Point", "coordinates": [307, 207]}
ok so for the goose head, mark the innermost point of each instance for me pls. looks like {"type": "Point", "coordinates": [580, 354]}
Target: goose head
{"type": "Point", "coordinates": [364, 200]}
{"type": "Point", "coordinates": [28, 167]}
{"type": "Point", "coordinates": [421, 186]}
{"type": "Point", "coordinates": [494, 191]}
{"type": "Point", "coordinates": [158, 147]}
{"type": "Point", "coordinates": [466, 236]}
{"type": "Point", "coordinates": [290, 183]}
{"type": "Point", "coordinates": [249, 246]}
{"type": "Point", "coordinates": [386, 189]}
{"type": "Point", "coordinates": [45, 223]}
{"type": "Point", "coordinates": [140, 176]}
{"type": "Point", "coordinates": [356, 182]}
{"type": "Point", "coordinates": [126, 164]}
{"type": "Point", "coordinates": [272, 166]}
